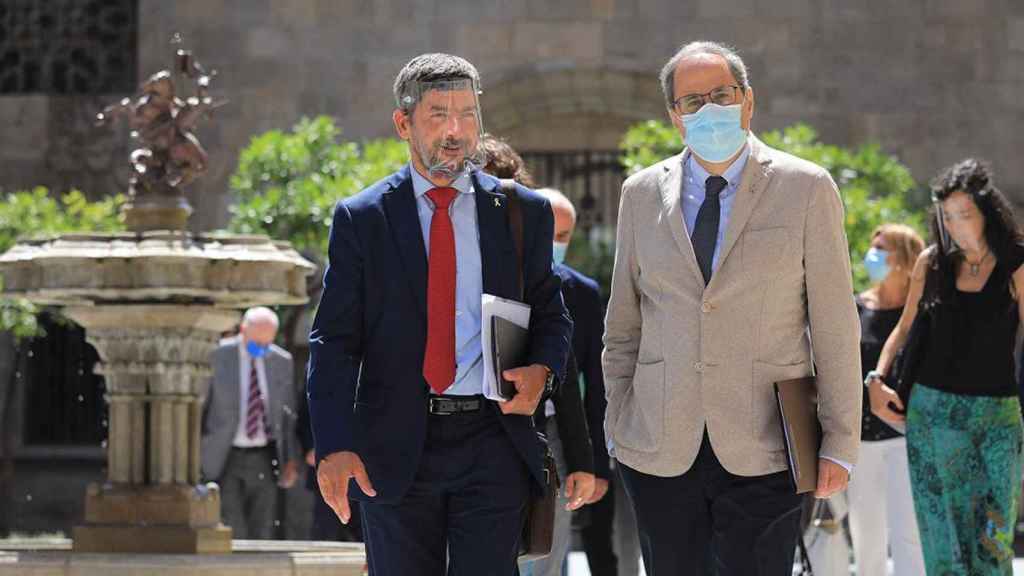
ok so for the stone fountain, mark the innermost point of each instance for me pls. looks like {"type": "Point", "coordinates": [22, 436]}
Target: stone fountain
{"type": "Point", "coordinates": [154, 302]}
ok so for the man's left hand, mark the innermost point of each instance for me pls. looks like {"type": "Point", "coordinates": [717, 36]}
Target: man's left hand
{"type": "Point", "coordinates": [600, 489]}
{"type": "Point", "coordinates": [832, 478]}
{"type": "Point", "coordinates": [529, 382]}
{"type": "Point", "coordinates": [579, 488]}
{"type": "Point", "coordinates": [289, 474]}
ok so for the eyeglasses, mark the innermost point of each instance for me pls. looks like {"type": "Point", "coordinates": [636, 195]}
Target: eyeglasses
{"type": "Point", "coordinates": [690, 103]}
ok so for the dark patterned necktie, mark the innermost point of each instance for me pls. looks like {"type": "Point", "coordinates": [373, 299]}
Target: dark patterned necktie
{"type": "Point", "coordinates": [255, 412]}
{"type": "Point", "coordinates": [705, 229]}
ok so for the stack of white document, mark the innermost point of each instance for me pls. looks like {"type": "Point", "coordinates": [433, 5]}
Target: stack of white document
{"type": "Point", "coordinates": [511, 310]}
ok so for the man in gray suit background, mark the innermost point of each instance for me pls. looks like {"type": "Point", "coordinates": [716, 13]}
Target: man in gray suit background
{"type": "Point", "coordinates": [731, 267]}
{"type": "Point", "coordinates": [249, 425]}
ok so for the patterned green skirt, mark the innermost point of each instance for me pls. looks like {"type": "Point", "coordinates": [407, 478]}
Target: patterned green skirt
{"type": "Point", "coordinates": [965, 468]}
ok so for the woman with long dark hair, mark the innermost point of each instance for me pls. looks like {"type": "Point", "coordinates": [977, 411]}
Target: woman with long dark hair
{"type": "Point", "coordinates": [963, 421]}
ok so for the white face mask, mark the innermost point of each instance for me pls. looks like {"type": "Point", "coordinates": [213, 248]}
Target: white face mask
{"type": "Point", "coordinates": [715, 133]}
{"type": "Point", "coordinates": [875, 264]}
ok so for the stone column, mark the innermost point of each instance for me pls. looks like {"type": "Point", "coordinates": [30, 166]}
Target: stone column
{"type": "Point", "coordinates": [156, 363]}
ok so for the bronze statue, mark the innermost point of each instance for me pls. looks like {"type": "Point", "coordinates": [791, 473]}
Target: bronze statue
{"type": "Point", "coordinates": [163, 122]}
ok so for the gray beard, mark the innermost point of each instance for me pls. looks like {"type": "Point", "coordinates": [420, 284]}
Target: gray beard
{"type": "Point", "coordinates": [440, 168]}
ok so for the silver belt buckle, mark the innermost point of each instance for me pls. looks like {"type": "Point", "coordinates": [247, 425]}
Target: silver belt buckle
{"type": "Point", "coordinates": [438, 406]}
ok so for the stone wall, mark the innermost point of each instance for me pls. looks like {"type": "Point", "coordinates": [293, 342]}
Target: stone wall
{"type": "Point", "coordinates": [931, 80]}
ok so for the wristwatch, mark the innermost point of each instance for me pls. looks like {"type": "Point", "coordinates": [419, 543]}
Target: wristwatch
{"type": "Point", "coordinates": [871, 376]}
{"type": "Point", "coordinates": [549, 383]}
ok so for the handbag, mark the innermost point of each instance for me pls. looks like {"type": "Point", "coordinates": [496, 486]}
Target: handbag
{"type": "Point", "coordinates": [538, 531]}
{"type": "Point", "coordinates": [907, 366]}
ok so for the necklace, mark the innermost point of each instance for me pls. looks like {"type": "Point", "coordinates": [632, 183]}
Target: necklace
{"type": "Point", "coordinates": [975, 267]}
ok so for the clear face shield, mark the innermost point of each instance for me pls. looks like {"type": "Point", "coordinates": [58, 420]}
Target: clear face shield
{"type": "Point", "coordinates": [945, 244]}
{"type": "Point", "coordinates": [445, 126]}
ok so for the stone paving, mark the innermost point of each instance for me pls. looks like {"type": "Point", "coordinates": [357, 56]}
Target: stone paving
{"type": "Point", "coordinates": [578, 566]}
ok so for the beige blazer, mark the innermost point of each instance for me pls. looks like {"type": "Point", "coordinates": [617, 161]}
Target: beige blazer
{"type": "Point", "coordinates": [680, 356]}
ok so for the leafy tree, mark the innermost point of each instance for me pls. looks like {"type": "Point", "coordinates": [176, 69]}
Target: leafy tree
{"type": "Point", "coordinates": [287, 184]}
{"type": "Point", "coordinates": [876, 188]}
{"type": "Point", "coordinates": [648, 143]}
{"type": "Point", "coordinates": [36, 213]}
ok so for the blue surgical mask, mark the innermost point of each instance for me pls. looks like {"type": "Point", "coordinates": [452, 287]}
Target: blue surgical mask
{"type": "Point", "coordinates": [558, 250]}
{"type": "Point", "coordinates": [714, 133]}
{"type": "Point", "coordinates": [874, 263]}
{"type": "Point", "coordinates": [256, 350]}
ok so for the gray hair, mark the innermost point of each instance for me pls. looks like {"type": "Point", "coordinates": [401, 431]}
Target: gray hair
{"type": "Point", "coordinates": [732, 58]}
{"type": "Point", "coordinates": [430, 68]}
{"type": "Point", "coordinates": [259, 315]}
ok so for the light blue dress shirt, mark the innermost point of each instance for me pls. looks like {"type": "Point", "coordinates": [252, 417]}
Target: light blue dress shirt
{"type": "Point", "coordinates": [469, 376]}
{"type": "Point", "coordinates": [694, 178]}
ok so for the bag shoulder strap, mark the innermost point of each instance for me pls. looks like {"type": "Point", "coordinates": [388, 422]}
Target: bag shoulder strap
{"type": "Point", "coordinates": [515, 221]}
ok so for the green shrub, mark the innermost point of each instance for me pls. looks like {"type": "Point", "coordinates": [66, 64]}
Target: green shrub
{"type": "Point", "coordinates": [287, 183]}
{"type": "Point", "coordinates": [31, 213]}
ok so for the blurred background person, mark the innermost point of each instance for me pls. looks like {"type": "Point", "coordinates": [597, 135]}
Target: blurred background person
{"type": "Point", "coordinates": [963, 421]}
{"type": "Point", "coordinates": [248, 425]}
{"type": "Point", "coordinates": [608, 535]}
{"type": "Point", "coordinates": [881, 507]}
{"type": "Point", "coordinates": [562, 417]}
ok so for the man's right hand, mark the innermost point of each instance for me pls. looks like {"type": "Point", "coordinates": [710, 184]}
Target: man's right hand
{"type": "Point", "coordinates": [333, 475]}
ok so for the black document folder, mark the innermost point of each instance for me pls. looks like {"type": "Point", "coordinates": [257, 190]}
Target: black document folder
{"type": "Point", "coordinates": [509, 346]}
{"type": "Point", "coordinates": [798, 411]}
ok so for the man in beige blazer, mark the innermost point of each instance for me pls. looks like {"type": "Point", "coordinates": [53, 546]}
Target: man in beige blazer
{"type": "Point", "coordinates": [732, 272]}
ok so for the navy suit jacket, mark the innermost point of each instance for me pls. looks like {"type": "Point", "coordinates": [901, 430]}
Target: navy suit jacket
{"type": "Point", "coordinates": [583, 300]}
{"type": "Point", "coordinates": [366, 389]}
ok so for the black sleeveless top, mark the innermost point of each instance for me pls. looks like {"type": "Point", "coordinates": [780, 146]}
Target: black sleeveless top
{"type": "Point", "coordinates": [875, 327]}
{"type": "Point", "coordinates": [970, 344]}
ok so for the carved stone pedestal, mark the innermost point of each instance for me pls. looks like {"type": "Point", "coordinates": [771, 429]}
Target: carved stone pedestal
{"type": "Point", "coordinates": [174, 519]}
{"type": "Point", "coordinates": [155, 364]}
{"type": "Point", "coordinates": [156, 213]}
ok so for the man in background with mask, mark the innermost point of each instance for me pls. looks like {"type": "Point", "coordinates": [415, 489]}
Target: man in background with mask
{"type": "Point", "coordinates": [583, 300]}
{"type": "Point", "coordinates": [396, 362]}
{"type": "Point", "coordinates": [249, 425]}
{"type": "Point", "coordinates": [731, 266]}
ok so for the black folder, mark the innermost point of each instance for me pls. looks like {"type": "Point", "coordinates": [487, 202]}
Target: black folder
{"type": "Point", "coordinates": [509, 346]}
{"type": "Point", "coordinates": [798, 411]}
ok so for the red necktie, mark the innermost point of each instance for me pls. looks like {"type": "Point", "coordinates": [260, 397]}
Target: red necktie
{"type": "Point", "coordinates": [439, 357]}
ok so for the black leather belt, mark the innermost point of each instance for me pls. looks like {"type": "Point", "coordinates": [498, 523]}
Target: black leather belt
{"type": "Point", "coordinates": [252, 448]}
{"type": "Point", "coordinates": [447, 405]}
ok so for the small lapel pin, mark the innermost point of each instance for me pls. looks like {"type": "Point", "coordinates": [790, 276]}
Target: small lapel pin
{"type": "Point", "coordinates": [497, 202]}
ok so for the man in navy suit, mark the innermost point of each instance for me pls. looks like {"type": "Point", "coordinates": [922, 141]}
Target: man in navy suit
{"type": "Point", "coordinates": [396, 371]}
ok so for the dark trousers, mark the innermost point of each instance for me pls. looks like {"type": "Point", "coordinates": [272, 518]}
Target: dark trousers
{"type": "Point", "coordinates": [248, 493]}
{"type": "Point", "coordinates": [711, 522]}
{"type": "Point", "coordinates": [597, 535]}
{"type": "Point", "coordinates": [463, 514]}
